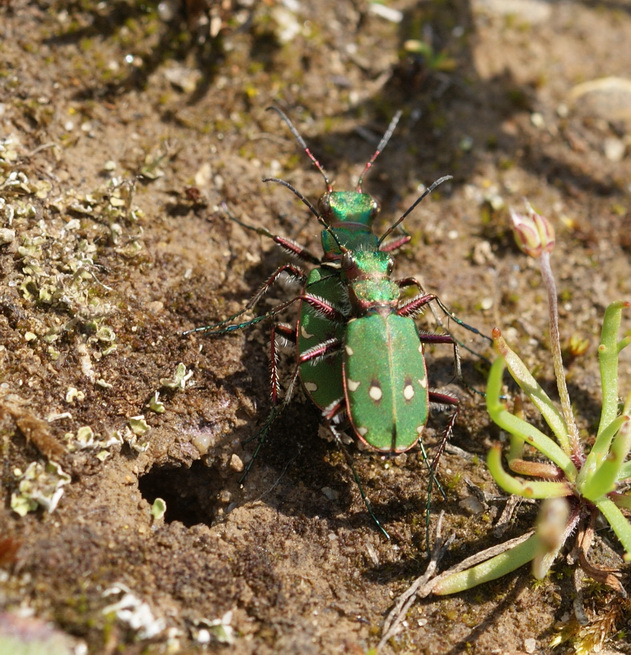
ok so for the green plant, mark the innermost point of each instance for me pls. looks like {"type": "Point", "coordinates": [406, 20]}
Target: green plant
{"type": "Point", "coordinates": [576, 483]}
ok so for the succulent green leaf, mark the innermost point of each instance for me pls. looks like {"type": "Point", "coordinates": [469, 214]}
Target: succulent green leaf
{"type": "Point", "coordinates": [625, 472]}
{"type": "Point", "coordinates": [600, 472]}
{"type": "Point", "coordinates": [519, 486]}
{"type": "Point", "coordinates": [554, 526]}
{"type": "Point", "coordinates": [520, 428]}
{"type": "Point", "coordinates": [618, 521]}
{"type": "Point", "coordinates": [489, 570]}
{"type": "Point", "coordinates": [608, 353]}
{"type": "Point", "coordinates": [537, 395]}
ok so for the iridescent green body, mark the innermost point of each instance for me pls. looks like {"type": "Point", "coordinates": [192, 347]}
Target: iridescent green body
{"type": "Point", "coordinates": [349, 215]}
{"type": "Point", "coordinates": [321, 379]}
{"type": "Point", "coordinates": [385, 377]}
{"type": "Point", "coordinates": [377, 376]}
{"type": "Point", "coordinates": [385, 381]}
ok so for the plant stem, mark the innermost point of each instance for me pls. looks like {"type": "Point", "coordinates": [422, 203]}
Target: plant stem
{"type": "Point", "coordinates": [557, 359]}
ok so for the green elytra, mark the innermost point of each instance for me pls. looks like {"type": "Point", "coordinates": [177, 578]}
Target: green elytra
{"type": "Point", "coordinates": [382, 383]}
{"type": "Point", "coordinates": [384, 376]}
{"type": "Point", "coordinates": [387, 396]}
{"type": "Point", "coordinates": [384, 371]}
{"type": "Point", "coordinates": [350, 215]}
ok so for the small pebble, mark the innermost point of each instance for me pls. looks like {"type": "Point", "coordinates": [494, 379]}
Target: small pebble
{"type": "Point", "coordinates": [6, 235]}
{"type": "Point", "coordinates": [472, 505]}
{"type": "Point", "coordinates": [607, 98]}
{"type": "Point", "coordinates": [236, 463]}
{"type": "Point", "coordinates": [529, 11]}
{"type": "Point", "coordinates": [331, 494]}
{"type": "Point", "coordinates": [614, 149]}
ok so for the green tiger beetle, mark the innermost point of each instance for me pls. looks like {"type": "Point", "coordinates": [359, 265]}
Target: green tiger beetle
{"type": "Point", "coordinates": [359, 354]}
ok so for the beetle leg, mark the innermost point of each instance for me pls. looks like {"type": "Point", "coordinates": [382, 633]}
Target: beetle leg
{"type": "Point", "coordinates": [295, 249]}
{"type": "Point", "coordinates": [444, 399]}
{"type": "Point", "coordinates": [294, 272]}
{"type": "Point", "coordinates": [395, 244]}
{"type": "Point", "coordinates": [410, 282]}
{"type": "Point", "coordinates": [414, 306]}
{"type": "Point", "coordinates": [445, 338]}
{"type": "Point", "coordinates": [413, 282]}
{"type": "Point", "coordinates": [335, 410]}
{"type": "Point", "coordinates": [286, 332]}
{"type": "Point", "coordinates": [433, 466]}
{"type": "Point", "coordinates": [328, 347]}
{"type": "Point", "coordinates": [324, 308]}
{"type": "Point", "coordinates": [436, 338]}
{"type": "Point", "coordinates": [275, 412]}
{"type": "Point", "coordinates": [349, 461]}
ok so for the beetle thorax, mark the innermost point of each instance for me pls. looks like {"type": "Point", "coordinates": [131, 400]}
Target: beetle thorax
{"type": "Point", "coordinates": [370, 287]}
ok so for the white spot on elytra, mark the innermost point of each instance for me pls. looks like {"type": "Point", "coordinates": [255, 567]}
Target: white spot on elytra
{"type": "Point", "coordinates": [311, 386]}
{"type": "Point", "coordinates": [362, 431]}
{"type": "Point", "coordinates": [419, 429]}
{"type": "Point", "coordinates": [305, 334]}
{"type": "Point", "coordinates": [375, 393]}
{"type": "Point", "coordinates": [423, 382]}
{"type": "Point", "coordinates": [349, 351]}
{"type": "Point", "coordinates": [352, 385]}
{"type": "Point", "coordinates": [408, 392]}
{"type": "Point", "coordinates": [420, 348]}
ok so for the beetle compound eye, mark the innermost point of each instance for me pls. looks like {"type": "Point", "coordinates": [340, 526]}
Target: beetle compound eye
{"type": "Point", "coordinates": [324, 204]}
{"type": "Point", "coordinates": [348, 262]}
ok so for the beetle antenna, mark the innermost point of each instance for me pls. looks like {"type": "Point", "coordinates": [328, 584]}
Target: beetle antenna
{"type": "Point", "coordinates": [310, 206]}
{"type": "Point", "coordinates": [414, 204]}
{"type": "Point", "coordinates": [303, 145]}
{"type": "Point", "coordinates": [382, 144]}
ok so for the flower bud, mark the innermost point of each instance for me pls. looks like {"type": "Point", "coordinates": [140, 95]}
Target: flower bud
{"type": "Point", "coordinates": [534, 233]}
{"type": "Point", "coordinates": [552, 530]}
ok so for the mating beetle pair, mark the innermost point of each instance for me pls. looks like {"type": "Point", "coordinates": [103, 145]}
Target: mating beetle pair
{"type": "Point", "coordinates": [359, 354]}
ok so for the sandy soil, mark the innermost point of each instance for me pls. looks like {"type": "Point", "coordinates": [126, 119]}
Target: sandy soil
{"type": "Point", "coordinates": [123, 128]}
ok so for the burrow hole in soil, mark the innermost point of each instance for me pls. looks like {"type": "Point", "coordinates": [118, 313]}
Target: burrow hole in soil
{"type": "Point", "coordinates": [190, 494]}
